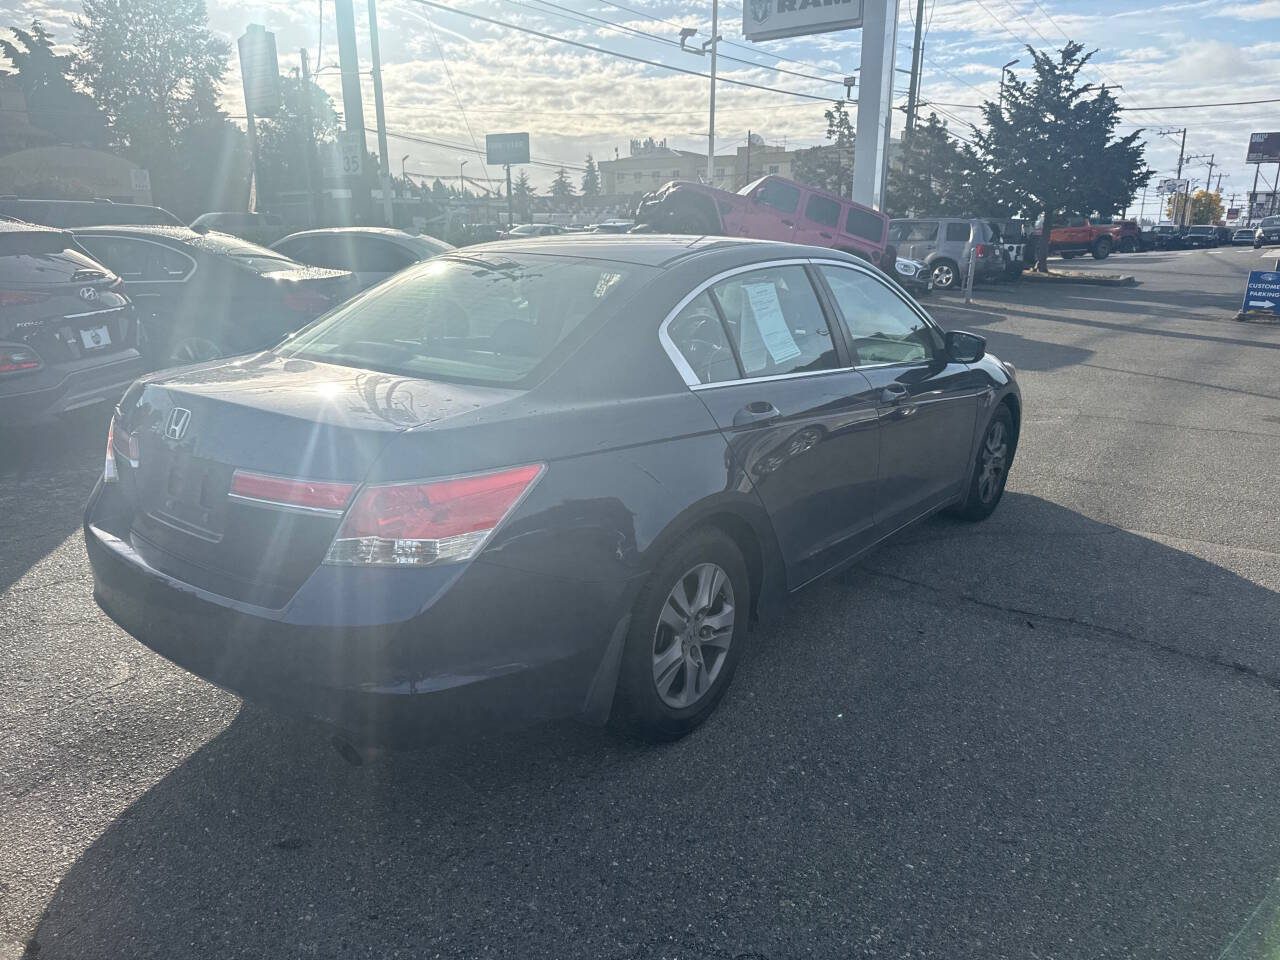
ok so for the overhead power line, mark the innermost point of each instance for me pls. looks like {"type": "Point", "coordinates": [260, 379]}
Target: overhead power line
{"type": "Point", "coordinates": [616, 53]}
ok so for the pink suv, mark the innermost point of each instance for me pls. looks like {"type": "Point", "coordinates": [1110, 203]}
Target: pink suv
{"type": "Point", "coordinates": [771, 208]}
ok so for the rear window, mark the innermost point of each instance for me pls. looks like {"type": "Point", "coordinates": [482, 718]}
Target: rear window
{"type": "Point", "coordinates": [1200, 230]}
{"type": "Point", "coordinates": [43, 258]}
{"type": "Point", "coordinates": [911, 231]}
{"type": "Point", "coordinates": [493, 320]}
{"type": "Point", "coordinates": [958, 232]}
{"type": "Point", "coordinates": [1270, 222]}
{"type": "Point", "coordinates": [823, 210]}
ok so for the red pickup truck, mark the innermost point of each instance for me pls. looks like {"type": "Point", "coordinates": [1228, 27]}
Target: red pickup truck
{"type": "Point", "coordinates": [771, 208]}
{"type": "Point", "coordinates": [1080, 235]}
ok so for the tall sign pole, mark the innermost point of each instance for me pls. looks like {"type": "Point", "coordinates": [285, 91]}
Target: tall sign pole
{"type": "Point", "coordinates": [352, 105]}
{"type": "Point", "coordinates": [875, 101]}
{"type": "Point", "coordinates": [388, 212]}
{"type": "Point", "coordinates": [313, 194]}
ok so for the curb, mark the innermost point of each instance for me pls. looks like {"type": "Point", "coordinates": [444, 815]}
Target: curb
{"type": "Point", "coordinates": [1101, 280]}
{"type": "Point", "coordinates": [1257, 316]}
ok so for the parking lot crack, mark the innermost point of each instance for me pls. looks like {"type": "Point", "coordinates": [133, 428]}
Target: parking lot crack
{"type": "Point", "coordinates": [1124, 636]}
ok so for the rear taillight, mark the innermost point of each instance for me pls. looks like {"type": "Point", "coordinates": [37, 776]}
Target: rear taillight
{"type": "Point", "coordinates": [290, 492]}
{"type": "Point", "coordinates": [16, 298]}
{"type": "Point", "coordinates": [109, 472]}
{"type": "Point", "coordinates": [306, 301]}
{"type": "Point", "coordinates": [15, 359]}
{"type": "Point", "coordinates": [982, 249]}
{"type": "Point", "coordinates": [120, 442]}
{"type": "Point", "coordinates": [424, 523]}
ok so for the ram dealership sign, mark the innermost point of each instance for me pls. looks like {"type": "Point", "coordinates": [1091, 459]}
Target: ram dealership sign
{"type": "Point", "coordinates": [774, 19]}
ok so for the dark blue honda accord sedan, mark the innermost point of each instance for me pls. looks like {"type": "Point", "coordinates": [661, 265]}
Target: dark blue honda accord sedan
{"type": "Point", "coordinates": [549, 478]}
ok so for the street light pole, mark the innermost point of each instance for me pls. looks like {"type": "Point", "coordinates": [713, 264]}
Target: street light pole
{"type": "Point", "coordinates": [461, 183]}
{"type": "Point", "coordinates": [1003, 71]}
{"type": "Point", "coordinates": [404, 176]}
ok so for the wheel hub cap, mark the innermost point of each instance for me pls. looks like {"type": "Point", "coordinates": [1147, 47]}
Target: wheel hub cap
{"type": "Point", "coordinates": [693, 635]}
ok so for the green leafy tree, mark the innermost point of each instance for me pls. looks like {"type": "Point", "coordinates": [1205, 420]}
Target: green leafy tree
{"type": "Point", "coordinates": [591, 178]}
{"type": "Point", "coordinates": [930, 174]}
{"type": "Point", "coordinates": [1206, 207]}
{"type": "Point", "coordinates": [284, 140]}
{"type": "Point", "coordinates": [53, 103]}
{"type": "Point", "coordinates": [830, 166]}
{"type": "Point", "coordinates": [154, 68]}
{"type": "Point", "coordinates": [1051, 148]}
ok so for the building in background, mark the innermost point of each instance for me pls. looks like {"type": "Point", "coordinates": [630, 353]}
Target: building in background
{"type": "Point", "coordinates": [652, 163]}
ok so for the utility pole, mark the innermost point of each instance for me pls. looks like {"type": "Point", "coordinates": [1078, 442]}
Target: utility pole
{"type": "Point", "coordinates": [1253, 197]}
{"type": "Point", "coordinates": [309, 149]}
{"type": "Point", "coordinates": [748, 180]}
{"type": "Point", "coordinates": [1181, 150]}
{"type": "Point", "coordinates": [913, 89]}
{"type": "Point", "coordinates": [510, 221]}
{"type": "Point", "coordinates": [388, 211]}
{"type": "Point", "coordinates": [711, 120]}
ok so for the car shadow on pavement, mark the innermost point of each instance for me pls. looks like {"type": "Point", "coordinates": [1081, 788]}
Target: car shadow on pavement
{"type": "Point", "coordinates": [1040, 736]}
{"type": "Point", "coordinates": [46, 473]}
{"type": "Point", "coordinates": [1023, 352]}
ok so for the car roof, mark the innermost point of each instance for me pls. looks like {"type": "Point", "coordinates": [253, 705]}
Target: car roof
{"type": "Point", "coordinates": [178, 234]}
{"type": "Point", "coordinates": [390, 233]}
{"type": "Point", "coordinates": [652, 250]}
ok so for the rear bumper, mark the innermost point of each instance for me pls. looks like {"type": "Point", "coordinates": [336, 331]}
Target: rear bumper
{"type": "Point", "coordinates": [494, 647]}
{"type": "Point", "coordinates": [66, 387]}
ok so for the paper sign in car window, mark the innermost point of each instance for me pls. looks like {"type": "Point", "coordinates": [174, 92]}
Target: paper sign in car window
{"type": "Point", "coordinates": [767, 311]}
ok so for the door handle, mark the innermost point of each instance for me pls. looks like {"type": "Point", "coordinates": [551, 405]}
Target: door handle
{"type": "Point", "coordinates": [789, 223]}
{"type": "Point", "coordinates": [757, 411]}
{"type": "Point", "coordinates": [894, 393]}
{"type": "Point", "coordinates": [825, 236]}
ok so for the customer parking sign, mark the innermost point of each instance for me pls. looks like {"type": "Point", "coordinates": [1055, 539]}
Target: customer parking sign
{"type": "Point", "coordinates": [1262, 293]}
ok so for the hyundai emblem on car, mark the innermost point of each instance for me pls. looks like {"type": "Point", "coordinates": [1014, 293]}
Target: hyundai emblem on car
{"type": "Point", "coordinates": [88, 294]}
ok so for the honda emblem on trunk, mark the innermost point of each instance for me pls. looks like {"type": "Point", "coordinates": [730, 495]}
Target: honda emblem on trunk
{"type": "Point", "coordinates": [176, 426]}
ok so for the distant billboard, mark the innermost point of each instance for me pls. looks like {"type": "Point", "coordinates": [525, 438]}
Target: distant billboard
{"type": "Point", "coordinates": [1263, 148]}
{"type": "Point", "coordinates": [775, 19]}
{"type": "Point", "coordinates": [1173, 186]}
{"type": "Point", "coordinates": [260, 71]}
{"type": "Point", "coordinates": [504, 148]}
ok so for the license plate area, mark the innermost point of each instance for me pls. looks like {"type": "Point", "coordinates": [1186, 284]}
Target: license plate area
{"type": "Point", "coordinates": [95, 338]}
{"type": "Point", "coordinates": [192, 498]}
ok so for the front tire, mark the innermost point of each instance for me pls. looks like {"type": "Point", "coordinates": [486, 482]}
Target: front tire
{"type": "Point", "coordinates": [687, 634]}
{"type": "Point", "coordinates": [990, 468]}
{"type": "Point", "coordinates": [945, 274]}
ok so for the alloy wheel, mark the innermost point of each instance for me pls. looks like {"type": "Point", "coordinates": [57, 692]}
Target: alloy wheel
{"type": "Point", "coordinates": [693, 634]}
{"type": "Point", "coordinates": [943, 276]}
{"type": "Point", "coordinates": [994, 459]}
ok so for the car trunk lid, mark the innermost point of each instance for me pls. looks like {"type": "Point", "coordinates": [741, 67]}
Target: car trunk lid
{"type": "Point", "coordinates": [267, 416]}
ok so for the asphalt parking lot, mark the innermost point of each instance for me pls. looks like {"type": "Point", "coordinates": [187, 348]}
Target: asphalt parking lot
{"type": "Point", "coordinates": [1052, 735]}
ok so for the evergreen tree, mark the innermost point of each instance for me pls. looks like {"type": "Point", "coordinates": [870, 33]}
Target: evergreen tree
{"type": "Point", "coordinates": [562, 188]}
{"type": "Point", "coordinates": [591, 179]}
{"type": "Point", "coordinates": [44, 77]}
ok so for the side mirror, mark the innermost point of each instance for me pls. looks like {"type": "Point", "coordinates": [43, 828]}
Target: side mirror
{"type": "Point", "coordinates": [965, 347]}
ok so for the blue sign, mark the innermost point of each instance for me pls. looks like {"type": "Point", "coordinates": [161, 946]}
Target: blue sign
{"type": "Point", "coordinates": [1262, 293]}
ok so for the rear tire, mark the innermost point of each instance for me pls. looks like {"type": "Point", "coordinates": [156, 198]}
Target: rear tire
{"type": "Point", "coordinates": [990, 468]}
{"type": "Point", "coordinates": [688, 630]}
{"type": "Point", "coordinates": [1102, 248]}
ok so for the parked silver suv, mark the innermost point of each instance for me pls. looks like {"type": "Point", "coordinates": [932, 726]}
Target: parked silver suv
{"type": "Point", "coordinates": [944, 243]}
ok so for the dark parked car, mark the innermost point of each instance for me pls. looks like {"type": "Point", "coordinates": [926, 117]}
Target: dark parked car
{"type": "Point", "coordinates": [1199, 237]}
{"type": "Point", "coordinates": [1268, 232]}
{"type": "Point", "coordinates": [1223, 235]}
{"type": "Point", "coordinates": [543, 478]}
{"type": "Point", "coordinates": [255, 227]}
{"type": "Point", "coordinates": [68, 214]}
{"type": "Point", "coordinates": [1242, 237]}
{"type": "Point", "coordinates": [205, 295]}
{"type": "Point", "coordinates": [67, 330]}
{"type": "Point", "coordinates": [370, 253]}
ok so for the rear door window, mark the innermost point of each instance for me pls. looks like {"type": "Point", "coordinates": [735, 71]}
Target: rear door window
{"type": "Point", "coordinates": [958, 232]}
{"type": "Point", "coordinates": [697, 333]}
{"type": "Point", "coordinates": [372, 255]}
{"type": "Point", "coordinates": [775, 322]}
{"type": "Point", "coordinates": [781, 196]}
{"type": "Point", "coordinates": [139, 260]}
{"type": "Point", "coordinates": [823, 210]}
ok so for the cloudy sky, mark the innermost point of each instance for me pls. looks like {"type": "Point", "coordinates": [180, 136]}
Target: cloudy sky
{"type": "Point", "coordinates": [451, 78]}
